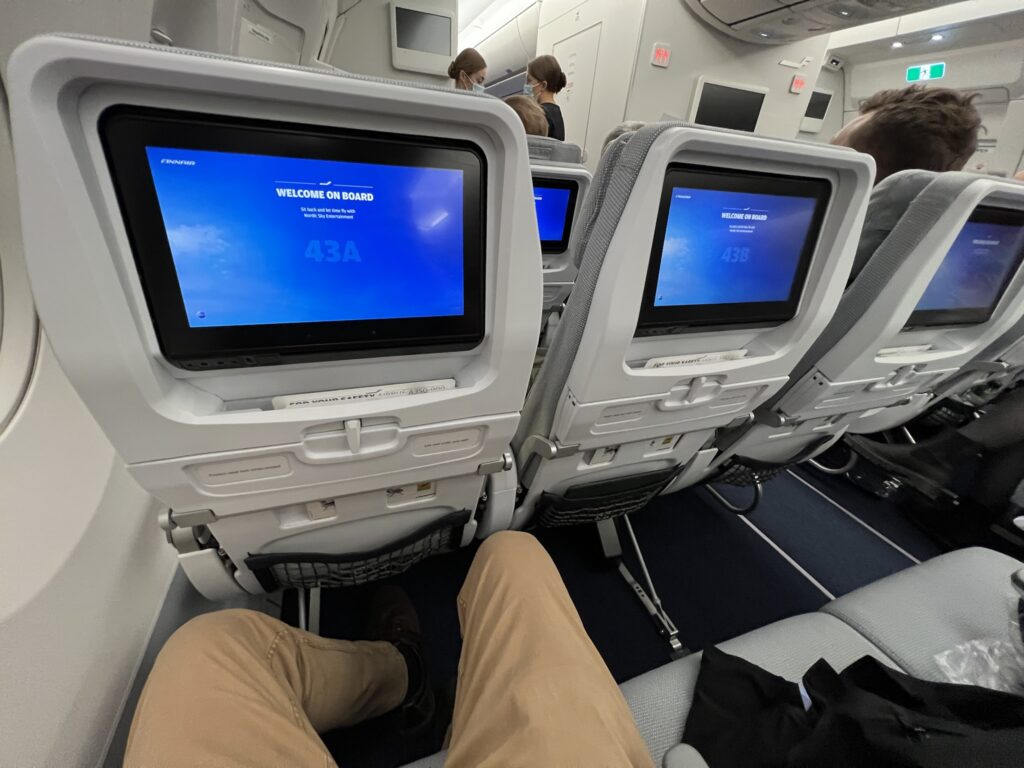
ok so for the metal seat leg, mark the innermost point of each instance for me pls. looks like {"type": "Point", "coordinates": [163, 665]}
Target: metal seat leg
{"type": "Point", "coordinates": [611, 543]}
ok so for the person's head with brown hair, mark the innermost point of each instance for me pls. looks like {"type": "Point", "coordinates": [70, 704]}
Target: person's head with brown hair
{"type": "Point", "coordinates": [469, 70]}
{"type": "Point", "coordinates": [534, 120]}
{"type": "Point", "coordinates": [935, 129]}
{"type": "Point", "coordinates": [544, 78]}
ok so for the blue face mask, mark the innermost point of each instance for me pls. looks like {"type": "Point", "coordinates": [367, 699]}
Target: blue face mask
{"type": "Point", "coordinates": [528, 90]}
{"type": "Point", "coordinates": [478, 88]}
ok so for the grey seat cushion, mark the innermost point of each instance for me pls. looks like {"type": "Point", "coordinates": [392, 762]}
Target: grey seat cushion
{"type": "Point", "coordinates": [922, 611]}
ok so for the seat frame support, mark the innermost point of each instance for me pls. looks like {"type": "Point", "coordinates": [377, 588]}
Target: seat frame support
{"type": "Point", "coordinates": [611, 544]}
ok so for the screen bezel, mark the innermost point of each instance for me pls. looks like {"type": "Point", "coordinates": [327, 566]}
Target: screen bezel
{"type": "Point", "coordinates": [126, 131]}
{"type": "Point", "coordinates": [562, 244]}
{"type": "Point", "coordinates": [698, 99]}
{"type": "Point", "coordinates": [703, 316]}
{"type": "Point", "coordinates": [930, 318]}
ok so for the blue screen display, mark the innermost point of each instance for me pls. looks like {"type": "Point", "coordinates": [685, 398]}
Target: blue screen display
{"type": "Point", "coordinates": [975, 270]}
{"type": "Point", "coordinates": [731, 247]}
{"type": "Point", "coordinates": [259, 239]}
{"type": "Point", "coordinates": [552, 208]}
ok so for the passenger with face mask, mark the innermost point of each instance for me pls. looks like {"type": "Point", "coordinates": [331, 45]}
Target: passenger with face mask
{"type": "Point", "coordinates": [545, 78]}
{"type": "Point", "coordinates": [468, 71]}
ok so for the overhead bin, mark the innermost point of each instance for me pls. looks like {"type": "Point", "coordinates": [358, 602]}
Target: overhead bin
{"type": "Point", "coordinates": [774, 21]}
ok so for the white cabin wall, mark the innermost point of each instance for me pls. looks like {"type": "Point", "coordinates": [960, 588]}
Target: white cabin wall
{"type": "Point", "coordinates": [697, 49]}
{"type": "Point", "coordinates": [595, 42]}
{"type": "Point", "coordinates": [998, 65]}
{"type": "Point", "coordinates": [364, 44]}
{"type": "Point", "coordinates": [83, 566]}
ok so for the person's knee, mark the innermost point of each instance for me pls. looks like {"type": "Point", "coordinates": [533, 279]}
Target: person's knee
{"type": "Point", "coordinates": [228, 631]}
{"type": "Point", "coordinates": [513, 558]}
{"type": "Point", "coordinates": [513, 550]}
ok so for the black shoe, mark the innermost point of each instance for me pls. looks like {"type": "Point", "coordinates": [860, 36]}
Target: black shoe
{"type": "Point", "coordinates": [929, 466]}
{"type": "Point", "coordinates": [393, 619]}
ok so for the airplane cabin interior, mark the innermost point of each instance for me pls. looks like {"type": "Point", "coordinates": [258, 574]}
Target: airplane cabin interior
{"type": "Point", "coordinates": [294, 311]}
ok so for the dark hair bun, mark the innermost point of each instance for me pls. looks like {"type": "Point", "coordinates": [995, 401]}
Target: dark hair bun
{"type": "Point", "coordinates": [562, 82]}
{"type": "Point", "coordinates": [453, 71]}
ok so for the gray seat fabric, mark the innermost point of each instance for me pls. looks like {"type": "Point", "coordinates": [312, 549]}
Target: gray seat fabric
{"type": "Point", "coordinates": [684, 756]}
{"type": "Point", "coordinates": [902, 620]}
{"type": "Point", "coordinates": [889, 201]}
{"type": "Point", "coordinates": [553, 150]}
{"type": "Point", "coordinates": [542, 400]}
{"type": "Point", "coordinates": [430, 761]}
{"type": "Point", "coordinates": [922, 611]}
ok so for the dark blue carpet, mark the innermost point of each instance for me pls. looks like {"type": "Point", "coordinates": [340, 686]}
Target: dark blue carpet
{"type": "Point", "coordinates": [884, 515]}
{"type": "Point", "coordinates": [834, 549]}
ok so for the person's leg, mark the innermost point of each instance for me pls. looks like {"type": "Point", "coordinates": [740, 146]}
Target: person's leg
{"type": "Point", "coordinates": [239, 688]}
{"type": "Point", "coordinates": [532, 689]}
{"type": "Point", "coordinates": [953, 457]}
{"type": "Point", "coordinates": [1001, 425]}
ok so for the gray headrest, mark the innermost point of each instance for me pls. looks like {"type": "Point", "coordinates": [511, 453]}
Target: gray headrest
{"type": "Point", "coordinates": [553, 150]}
{"type": "Point", "coordinates": [889, 201]}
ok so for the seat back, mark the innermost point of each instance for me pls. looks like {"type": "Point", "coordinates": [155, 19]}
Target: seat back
{"type": "Point", "coordinates": [342, 213]}
{"type": "Point", "coordinates": [883, 356]}
{"type": "Point", "coordinates": [558, 192]}
{"type": "Point", "coordinates": [999, 366]}
{"type": "Point", "coordinates": [629, 404]}
{"type": "Point", "coordinates": [547, 150]}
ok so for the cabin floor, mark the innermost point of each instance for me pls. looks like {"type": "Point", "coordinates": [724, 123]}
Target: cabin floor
{"type": "Point", "coordinates": [812, 538]}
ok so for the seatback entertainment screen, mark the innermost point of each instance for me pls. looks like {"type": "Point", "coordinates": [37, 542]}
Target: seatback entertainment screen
{"type": "Point", "coordinates": [975, 272]}
{"type": "Point", "coordinates": [257, 243]}
{"type": "Point", "coordinates": [555, 201]}
{"type": "Point", "coordinates": [731, 247]}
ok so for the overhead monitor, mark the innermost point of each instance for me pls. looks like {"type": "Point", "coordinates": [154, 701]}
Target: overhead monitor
{"type": "Point", "coordinates": [555, 201]}
{"type": "Point", "coordinates": [422, 36]}
{"type": "Point", "coordinates": [817, 108]}
{"type": "Point", "coordinates": [975, 272]}
{"type": "Point", "coordinates": [727, 105]}
{"type": "Point", "coordinates": [730, 248]}
{"type": "Point", "coordinates": [259, 243]}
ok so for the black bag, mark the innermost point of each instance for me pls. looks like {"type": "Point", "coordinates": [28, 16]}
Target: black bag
{"type": "Point", "coordinates": [869, 715]}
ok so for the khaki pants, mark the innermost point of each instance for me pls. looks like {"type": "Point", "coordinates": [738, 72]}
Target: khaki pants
{"type": "Point", "coordinates": [239, 688]}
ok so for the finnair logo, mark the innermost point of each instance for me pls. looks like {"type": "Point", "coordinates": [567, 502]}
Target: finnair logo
{"type": "Point", "coordinates": [171, 161]}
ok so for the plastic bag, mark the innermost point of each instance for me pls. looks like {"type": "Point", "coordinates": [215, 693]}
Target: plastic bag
{"type": "Point", "coordinates": [995, 663]}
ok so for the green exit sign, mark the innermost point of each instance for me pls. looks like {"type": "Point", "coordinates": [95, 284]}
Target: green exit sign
{"type": "Point", "coordinates": [926, 72]}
